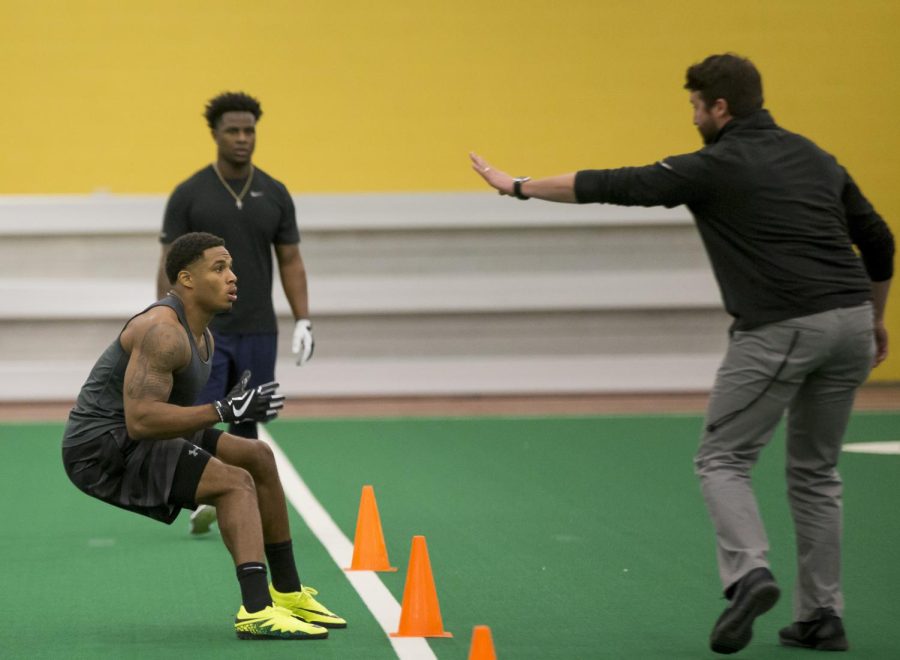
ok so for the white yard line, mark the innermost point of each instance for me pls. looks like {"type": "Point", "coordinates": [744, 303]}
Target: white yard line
{"type": "Point", "coordinates": [886, 447]}
{"type": "Point", "coordinates": [370, 588]}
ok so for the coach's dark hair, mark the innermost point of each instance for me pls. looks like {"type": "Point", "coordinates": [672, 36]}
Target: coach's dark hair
{"type": "Point", "coordinates": [730, 77]}
{"type": "Point", "coordinates": [186, 250]}
{"type": "Point", "coordinates": [231, 102]}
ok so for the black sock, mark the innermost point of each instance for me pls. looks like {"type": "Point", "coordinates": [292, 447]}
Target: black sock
{"type": "Point", "coordinates": [254, 586]}
{"type": "Point", "coordinates": [283, 566]}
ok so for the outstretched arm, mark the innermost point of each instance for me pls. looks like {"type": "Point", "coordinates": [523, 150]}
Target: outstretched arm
{"type": "Point", "coordinates": [552, 189]}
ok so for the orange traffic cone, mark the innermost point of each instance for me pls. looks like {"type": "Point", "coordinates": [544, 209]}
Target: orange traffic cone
{"type": "Point", "coordinates": [369, 552]}
{"type": "Point", "coordinates": [420, 613]}
{"type": "Point", "coordinates": [482, 645]}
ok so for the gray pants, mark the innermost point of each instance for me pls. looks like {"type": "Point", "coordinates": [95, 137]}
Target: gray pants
{"type": "Point", "coordinates": [810, 366]}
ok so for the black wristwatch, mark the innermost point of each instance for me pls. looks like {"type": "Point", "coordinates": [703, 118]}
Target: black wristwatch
{"type": "Point", "coordinates": [517, 187]}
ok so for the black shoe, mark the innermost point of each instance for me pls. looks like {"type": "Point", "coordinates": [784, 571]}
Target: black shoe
{"type": "Point", "coordinates": [754, 594]}
{"type": "Point", "coordinates": [825, 632]}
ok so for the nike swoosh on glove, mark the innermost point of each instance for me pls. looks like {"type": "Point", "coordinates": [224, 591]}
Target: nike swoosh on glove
{"type": "Point", "coordinates": [261, 404]}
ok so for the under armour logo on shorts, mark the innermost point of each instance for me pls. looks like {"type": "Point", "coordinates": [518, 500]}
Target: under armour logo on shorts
{"type": "Point", "coordinates": [194, 451]}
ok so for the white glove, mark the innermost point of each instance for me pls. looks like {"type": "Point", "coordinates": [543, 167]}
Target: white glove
{"type": "Point", "coordinates": [304, 344]}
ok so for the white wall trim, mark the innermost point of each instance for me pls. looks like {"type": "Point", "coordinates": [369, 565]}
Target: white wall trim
{"type": "Point", "coordinates": [105, 213]}
{"type": "Point", "coordinates": [61, 380]}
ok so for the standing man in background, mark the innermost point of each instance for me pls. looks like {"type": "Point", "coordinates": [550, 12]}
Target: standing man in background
{"type": "Point", "coordinates": [252, 212]}
{"type": "Point", "coordinates": [779, 218]}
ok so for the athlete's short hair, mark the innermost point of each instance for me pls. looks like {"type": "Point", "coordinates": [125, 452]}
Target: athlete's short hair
{"type": "Point", "coordinates": [186, 250]}
{"type": "Point", "coordinates": [730, 77]}
{"type": "Point", "coordinates": [231, 102]}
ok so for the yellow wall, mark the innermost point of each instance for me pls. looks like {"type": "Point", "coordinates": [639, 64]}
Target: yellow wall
{"type": "Point", "coordinates": [391, 95]}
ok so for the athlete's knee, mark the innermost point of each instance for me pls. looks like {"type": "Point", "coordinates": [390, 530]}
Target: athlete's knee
{"type": "Point", "coordinates": [239, 481]}
{"type": "Point", "coordinates": [261, 459]}
{"type": "Point", "coordinates": [221, 480]}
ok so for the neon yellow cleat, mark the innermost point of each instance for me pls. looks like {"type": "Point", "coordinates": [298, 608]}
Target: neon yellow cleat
{"type": "Point", "coordinates": [274, 622]}
{"type": "Point", "coordinates": [304, 606]}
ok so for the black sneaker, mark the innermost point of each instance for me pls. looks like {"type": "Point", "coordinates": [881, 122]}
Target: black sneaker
{"type": "Point", "coordinates": [754, 594]}
{"type": "Point", "coordinates": [825, 632]}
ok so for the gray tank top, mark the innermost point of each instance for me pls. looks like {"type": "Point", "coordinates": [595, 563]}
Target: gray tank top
{"type": "Point", "coordinates": [100, 406]}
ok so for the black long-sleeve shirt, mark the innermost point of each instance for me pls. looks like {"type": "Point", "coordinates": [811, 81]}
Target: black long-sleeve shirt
{"type": "Point", "coordinates": [778, 217]}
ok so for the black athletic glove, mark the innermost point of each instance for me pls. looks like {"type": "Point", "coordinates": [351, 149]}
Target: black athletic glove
{"type": "Point", "coordinates": [260, 404]}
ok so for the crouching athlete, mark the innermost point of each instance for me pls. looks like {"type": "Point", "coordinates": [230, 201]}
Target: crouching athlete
{"type": "Point", "coordinates": [134, 440]}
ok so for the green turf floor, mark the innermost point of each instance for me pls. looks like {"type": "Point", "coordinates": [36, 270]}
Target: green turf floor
{"type": "Point", "coordinates": [578, 537]}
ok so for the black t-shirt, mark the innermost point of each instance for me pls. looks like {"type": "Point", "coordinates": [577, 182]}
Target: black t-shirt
{"type": "Point", "coordinates": [266, 218]}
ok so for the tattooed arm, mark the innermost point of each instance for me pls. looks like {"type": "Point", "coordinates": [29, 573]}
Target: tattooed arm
{"type": "Point", "coordinates": [159, 347]}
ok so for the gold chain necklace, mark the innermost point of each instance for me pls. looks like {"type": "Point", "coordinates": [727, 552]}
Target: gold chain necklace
{"type": "Point", "coordinates": [238, 199]}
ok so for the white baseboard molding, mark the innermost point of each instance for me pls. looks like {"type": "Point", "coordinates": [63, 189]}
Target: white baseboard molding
{"type": "Point", "coordinates": [54, 381]}
{"type": "Point", "coordinates": [105, 213]}
{"type": "Point", "coordinates": [61, 299]}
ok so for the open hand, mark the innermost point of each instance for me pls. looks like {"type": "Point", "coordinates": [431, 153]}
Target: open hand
{"type": "Point", "coordinates": [497, 179]}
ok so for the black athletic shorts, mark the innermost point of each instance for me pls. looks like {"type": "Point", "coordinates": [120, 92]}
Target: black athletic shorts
{"type": "Point", "coordinates": [156, 478]}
